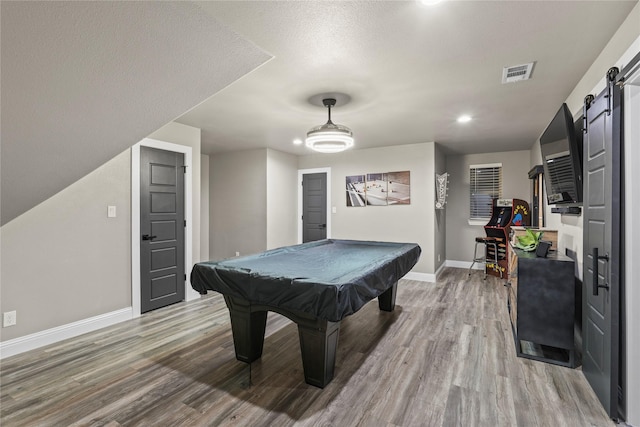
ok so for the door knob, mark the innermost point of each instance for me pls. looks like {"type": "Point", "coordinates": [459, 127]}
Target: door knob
{"type": "Point", "coordinates": [322, 226]}
{"type": "Point", "coordinates": [147, 237]}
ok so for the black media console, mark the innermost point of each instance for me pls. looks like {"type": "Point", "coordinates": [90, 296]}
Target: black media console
{"type": "Point", "coordinates": [541, 305]}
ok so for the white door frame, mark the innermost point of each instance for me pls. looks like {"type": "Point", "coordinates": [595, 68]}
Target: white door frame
{"type": "Point", "coordinates": [189, 293]}
{"type": "Point", "coordinates": [632, 234]}
{"type": "Point", "coordinates": [301, 172]}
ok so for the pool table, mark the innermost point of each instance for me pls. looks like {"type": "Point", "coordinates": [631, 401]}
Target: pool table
{"type": "Point", "coordinates": [315, 284]}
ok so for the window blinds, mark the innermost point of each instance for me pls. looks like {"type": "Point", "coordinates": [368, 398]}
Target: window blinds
{"type": "Point", "coordinates": [485, 185]}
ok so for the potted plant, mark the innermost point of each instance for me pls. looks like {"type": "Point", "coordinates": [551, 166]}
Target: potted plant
{"type": "Point", "coordinates": [529, 241]}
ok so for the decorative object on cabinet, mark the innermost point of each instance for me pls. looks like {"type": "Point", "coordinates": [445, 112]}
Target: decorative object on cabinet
{"type": "Point", "coordinates": [542, 307]}
{"type": "Point", "coordinates": [548, 235]}
{"type": "Point", "coordinates": [529, 241]}
{"type": "Point", "coordinates": [543, 248]}
{"type": "Point", "coordinates": [442, 188]}
{"type": "Point", "coordinates": [505, 213]}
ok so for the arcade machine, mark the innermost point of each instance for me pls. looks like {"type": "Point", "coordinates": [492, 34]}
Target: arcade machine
{"type": "Point", "coordinates": [504, 214]}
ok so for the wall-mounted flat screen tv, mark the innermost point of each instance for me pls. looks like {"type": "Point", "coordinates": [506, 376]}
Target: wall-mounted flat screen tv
{"type": "Point", "coordinates": [561, 147]}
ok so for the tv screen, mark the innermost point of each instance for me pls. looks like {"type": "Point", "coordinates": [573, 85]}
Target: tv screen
{"type": "Point", "coordinates": [561, 147]}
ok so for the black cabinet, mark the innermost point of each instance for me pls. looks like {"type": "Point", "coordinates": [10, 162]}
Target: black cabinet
{"type": "Point", "coordinates": [541, 305]}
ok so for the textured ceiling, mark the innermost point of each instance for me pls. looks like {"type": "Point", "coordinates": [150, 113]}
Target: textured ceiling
{"type": "Point", "coordinates": [83, 81]}
{"type": "Point", "coordinates": [410, 70]}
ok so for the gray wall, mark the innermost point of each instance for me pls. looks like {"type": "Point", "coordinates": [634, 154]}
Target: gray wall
{"type": "Point", "coordinates": [618, 52]}
{"type": "Point", "coordinates": [407, 223]}
{"type": "Point", "coordinates": [64, 260]}
{"type": "Point", "coordinates": [570, 226]}
{"type": "Point", "coordinates": [282, 207]}
{"type": "Point", "coordinates": [204, 207]}
{"type": "Point", "coordinates": [83, 81]}
{"type": "Point", "coordinates": [515, 184]}
{"type": "Point", "coordinates": [238, 203]}
{"type": "Point", "coordinates": [440, 215]}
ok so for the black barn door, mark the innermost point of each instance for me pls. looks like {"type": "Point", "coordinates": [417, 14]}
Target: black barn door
{"type": "Point", "coordinates": [314, 207]}
{"type": "Point", "coordinates": [162, 271]}
{"type": "Point", "coordinates": [602, 242]}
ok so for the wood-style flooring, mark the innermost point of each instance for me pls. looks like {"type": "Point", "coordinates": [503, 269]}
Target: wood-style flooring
{"type": "Point", "coordinates": [444, 357]}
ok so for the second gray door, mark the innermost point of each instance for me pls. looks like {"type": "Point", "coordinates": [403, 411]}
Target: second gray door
{"type": "Point", "coordinates": [314, 207]}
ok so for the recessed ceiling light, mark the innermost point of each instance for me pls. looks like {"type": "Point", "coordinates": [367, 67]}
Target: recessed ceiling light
{"type": "Point", "coordinates": [429, 2]}
{"type": "Point", "coordinates": [464, 118]}
{"type": "Point", "coordinates": [297, 141]}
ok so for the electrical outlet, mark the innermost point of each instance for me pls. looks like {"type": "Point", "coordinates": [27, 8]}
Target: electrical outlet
{"type": "Point", "coordinates": [438, 257]}
{"type": "Point", "coordinates": [237, 253]}
{"type": "Point", "coordinates": [9, 319]}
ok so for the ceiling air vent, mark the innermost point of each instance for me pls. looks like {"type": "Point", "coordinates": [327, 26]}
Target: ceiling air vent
{"type": "Point", "coordinates": [517, 73]}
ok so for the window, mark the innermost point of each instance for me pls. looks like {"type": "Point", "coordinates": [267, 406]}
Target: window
{"type": "Point", "coordinates": [485, 185]}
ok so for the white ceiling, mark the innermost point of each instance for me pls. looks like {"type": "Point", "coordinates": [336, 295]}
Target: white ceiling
{"type": "Point", "coordinates": [82, 81]}
{"type": "Point", "coordinates": [410, 70]}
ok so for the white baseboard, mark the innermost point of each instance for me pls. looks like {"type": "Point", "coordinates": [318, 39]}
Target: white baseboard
{"type": "Point", "coordinates": [442, 267]}
{"type": "Point", "coordinates": [428, 277]}
{"type": "Point", "coordinates": [59, 333]}
{"type": "Point", "coordinates": [53, 335]}
{"type": "Point", "coordinates": [421, 277]}
{"type": "Point", "coordinates": [463, 264]}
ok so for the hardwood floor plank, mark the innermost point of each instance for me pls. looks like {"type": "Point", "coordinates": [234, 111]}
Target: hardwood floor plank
{"type": "Point", "coordinates": [444, 357]}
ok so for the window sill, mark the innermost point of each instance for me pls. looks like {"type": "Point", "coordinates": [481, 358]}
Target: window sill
{"type": "Point", "coordinates": [478, 221]}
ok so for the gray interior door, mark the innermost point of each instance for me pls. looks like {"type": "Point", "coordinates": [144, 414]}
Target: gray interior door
{"type": "Point", "coordinates": [314, 207]}
{"type": "Point", "coordinates": [162, 274]}
{"type": "Point", "coordinates": [602, 244]}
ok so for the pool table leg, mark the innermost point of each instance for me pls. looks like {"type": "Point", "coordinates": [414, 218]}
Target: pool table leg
{"type": "Point", "coordinates": [248, 329]}
{"type": "Point", "coordinates": [318, 344]}
{"type": "Point", "coordinates": [387, 300]}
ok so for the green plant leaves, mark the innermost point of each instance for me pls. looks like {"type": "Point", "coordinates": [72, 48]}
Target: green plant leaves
{"type": "Point", "coordinates": [529, 241]}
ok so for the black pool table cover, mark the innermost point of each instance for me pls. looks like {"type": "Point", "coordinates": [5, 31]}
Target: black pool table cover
{"type": "Point", "coordinates": [327, 279]}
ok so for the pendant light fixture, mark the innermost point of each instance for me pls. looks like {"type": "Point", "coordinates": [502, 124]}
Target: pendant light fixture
{"type": "Point", "coordinates": [329, 137]}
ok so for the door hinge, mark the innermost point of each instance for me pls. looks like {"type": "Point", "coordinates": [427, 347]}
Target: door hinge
{"type": "Point", "coordinates": [302, 217]}
{"type": "Point", "coordinates": [184, 169]}
{"type": "Point", "coordinates": [185, 222]}
{"type": "Point", "coordinates": [185, 277]}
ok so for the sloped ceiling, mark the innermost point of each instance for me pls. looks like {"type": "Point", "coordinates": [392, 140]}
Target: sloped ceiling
{"type": "Point", "coordinates": [82, 81]}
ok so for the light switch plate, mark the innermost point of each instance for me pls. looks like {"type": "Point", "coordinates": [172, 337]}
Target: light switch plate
{"type": "Point", "coordinates": [111, 211]}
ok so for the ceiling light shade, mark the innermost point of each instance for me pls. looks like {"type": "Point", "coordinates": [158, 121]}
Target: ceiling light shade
{"type": "Point", "coordinates": [329, 137]}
